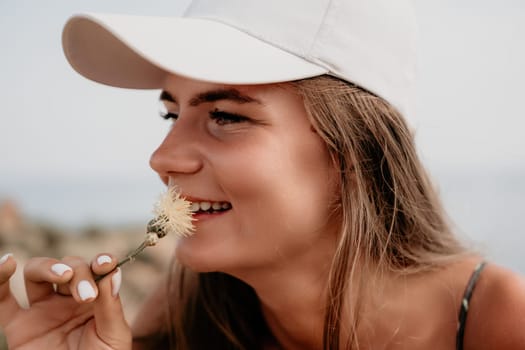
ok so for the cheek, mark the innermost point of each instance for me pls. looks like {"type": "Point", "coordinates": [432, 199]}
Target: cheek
{"type": "Point", "coordinates": [308, 188]}
{"type": "Point", "coordinates": [282, 189]}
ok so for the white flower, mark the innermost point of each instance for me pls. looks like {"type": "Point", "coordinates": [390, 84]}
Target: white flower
{"type": "Point", "coordinates": [173, 215]}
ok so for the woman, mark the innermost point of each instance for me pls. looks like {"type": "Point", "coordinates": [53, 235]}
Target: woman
{"type": "Point", "coordinates": [327, 233]}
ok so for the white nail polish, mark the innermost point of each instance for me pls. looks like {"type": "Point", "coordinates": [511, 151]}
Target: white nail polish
{"type": "Point", "coordinates": [116, 281]}
{"type": "Point", "coordinates": [60, 269]}
{"type": "Point", "coordinates": [4, 258]}
{"type": "Point", "coordinates": [103, 259]}
{"type": "Point", "coordinates": [85, 290]}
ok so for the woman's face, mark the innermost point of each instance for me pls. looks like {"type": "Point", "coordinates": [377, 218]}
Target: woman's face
{"type": "Point", "coordinates": [252, 152]}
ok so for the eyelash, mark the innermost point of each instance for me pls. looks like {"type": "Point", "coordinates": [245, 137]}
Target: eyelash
{"type": "Point", "coordinates": [220, 117]}
{"type": "Point", "coordinates": [223, 118]}
{"type": "Point", "coordinates": [168, 115]}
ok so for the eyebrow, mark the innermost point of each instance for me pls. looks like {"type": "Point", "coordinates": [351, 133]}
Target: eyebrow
{"type": "Point", "coordinates": [229, 94]}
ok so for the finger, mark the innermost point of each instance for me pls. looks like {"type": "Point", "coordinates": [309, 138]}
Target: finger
{"type": "Point", "coordinates": [41, 273]}
{"type": "Point", "coordinates": [103, 263]}
{"type": "Point", "coordinates": [111, 325]}
{"type": "Point", "coordinates": [82, 286]}
{"type": "Point", "coordinates": [8, 305]}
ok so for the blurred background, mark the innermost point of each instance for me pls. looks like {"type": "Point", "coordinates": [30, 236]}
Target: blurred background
{"type": "Point", "coordinates": [74, 174]}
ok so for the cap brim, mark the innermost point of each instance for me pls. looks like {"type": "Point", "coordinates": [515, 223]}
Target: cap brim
{"type": "Point", "coordinates": [138, 51]}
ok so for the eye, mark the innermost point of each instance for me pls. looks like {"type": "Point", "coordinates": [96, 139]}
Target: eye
{"type": "Point", "coordinates": [165, 113]}
{"type": "Point", "coordinates": [168, 115]}
{"type": "Point", "coordinates": [224, 118]}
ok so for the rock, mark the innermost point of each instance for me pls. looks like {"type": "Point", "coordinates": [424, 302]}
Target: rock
{"type": "Point", "coordinates": [10, 218]}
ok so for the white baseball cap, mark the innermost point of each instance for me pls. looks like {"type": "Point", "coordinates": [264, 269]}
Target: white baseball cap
{"type": "Point", "coordinates": [371, 43]}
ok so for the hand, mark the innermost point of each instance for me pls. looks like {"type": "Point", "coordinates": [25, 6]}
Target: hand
{"type": "Point", "coordinates": [67, 309]}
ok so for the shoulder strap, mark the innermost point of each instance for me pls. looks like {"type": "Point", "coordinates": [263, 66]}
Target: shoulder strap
{"type": "Point", "coordinates": [463, 310]}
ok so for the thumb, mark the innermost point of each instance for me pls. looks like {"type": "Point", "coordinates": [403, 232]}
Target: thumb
{"type": "Point", "coordinates": [8, 304]}
{"type": "Point", "coordinates": [110, 323]}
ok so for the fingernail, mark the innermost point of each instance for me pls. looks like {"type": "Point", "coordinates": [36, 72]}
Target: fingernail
{"type": "Point", "coordinates": [116, 281]}
{"type": "Point", "coordinates": [85, 290]}
{"type": "Point", "coordinates": [60, 269]}
{"type": "Point", "coordinates": [4, 258]}
{"type": "Point", "coordinates": [103, 259]}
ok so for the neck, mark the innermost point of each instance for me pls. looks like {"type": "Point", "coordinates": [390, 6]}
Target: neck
{"type": "Point", "coordinates": [293, 297]}
{"type": "Point", "coordinates": [293, 300]}
{"type": "Point", "coordinates": [294, 310]}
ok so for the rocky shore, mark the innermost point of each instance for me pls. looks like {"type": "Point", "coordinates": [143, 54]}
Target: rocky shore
{"type": "Point", "coordinates": [25, 239]}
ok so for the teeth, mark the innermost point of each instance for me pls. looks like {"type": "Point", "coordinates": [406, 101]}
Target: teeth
{"type": "Point", "coordinates": [194, 207]}
{"type": "Point", "coordinates": [206, 206]}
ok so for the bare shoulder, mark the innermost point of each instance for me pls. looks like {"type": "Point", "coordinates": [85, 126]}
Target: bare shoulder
{"type": "Point", "coordinates": [496, 316]}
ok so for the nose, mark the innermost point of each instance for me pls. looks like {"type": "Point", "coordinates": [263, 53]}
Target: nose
{"type": "Point", "coordinates": [177, 154]}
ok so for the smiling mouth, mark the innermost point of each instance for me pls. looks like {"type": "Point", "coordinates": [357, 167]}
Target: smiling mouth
{"type": "Point", "coordinates": [204, 207]}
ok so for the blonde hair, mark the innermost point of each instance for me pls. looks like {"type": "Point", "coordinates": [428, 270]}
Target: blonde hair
{"type": "Point", "coordinates": [392, 218]}
{"type": "Point", "coordinates": [391, 222]}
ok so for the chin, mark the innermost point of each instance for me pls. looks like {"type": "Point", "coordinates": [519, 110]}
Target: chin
{"type": "Point", "coordinates": [191, 258]}
{"type": "Point", "coordinates": [199, 257]}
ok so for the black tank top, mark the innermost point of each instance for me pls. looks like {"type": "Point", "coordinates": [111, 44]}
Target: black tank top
{"type": "Point", "coordinates": [463, 310]}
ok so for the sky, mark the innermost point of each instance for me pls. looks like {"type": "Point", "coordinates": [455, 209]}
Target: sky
{"type": "Point", "coordinates": [73, 151]}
